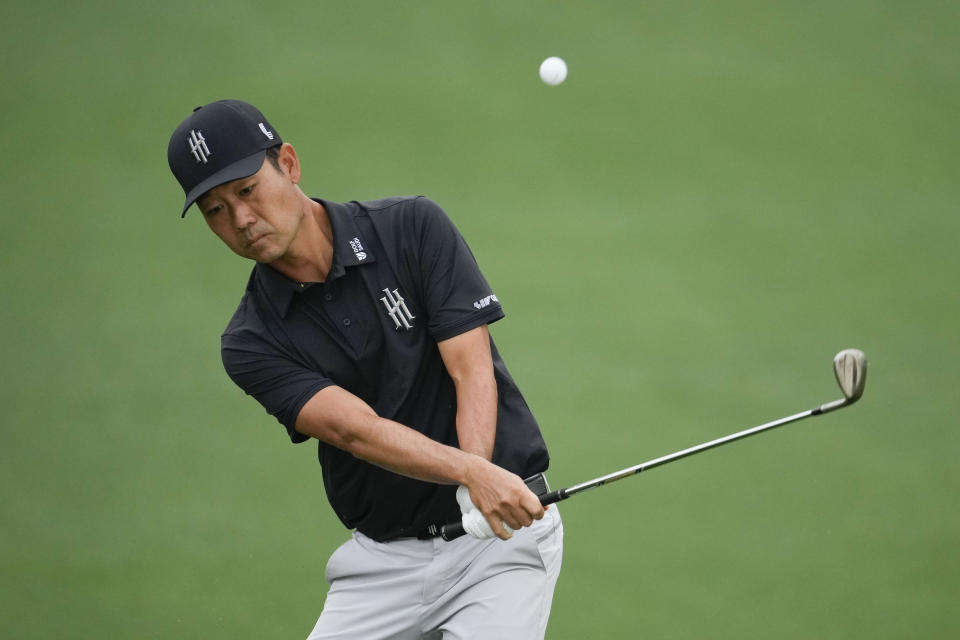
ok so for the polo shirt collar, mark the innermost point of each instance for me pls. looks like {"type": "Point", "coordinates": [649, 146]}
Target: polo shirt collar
{"type": "Point", "coordinates": [350, 249]}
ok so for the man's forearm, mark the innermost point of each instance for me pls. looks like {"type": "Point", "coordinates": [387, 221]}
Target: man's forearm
{"type": "Point", "coordinates": [341, 419]}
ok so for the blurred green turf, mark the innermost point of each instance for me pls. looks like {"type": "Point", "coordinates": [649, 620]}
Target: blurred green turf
{"type": "Point", "coordinates": [720, 197]}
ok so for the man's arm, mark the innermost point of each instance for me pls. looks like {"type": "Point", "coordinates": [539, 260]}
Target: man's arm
{"type": "Point", "coordinates": [341, 419]}
{"type": "Point", "coordinates": [469, 362]}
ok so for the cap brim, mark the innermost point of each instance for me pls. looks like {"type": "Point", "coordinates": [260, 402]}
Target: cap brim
{"type": "Point", "coordinates": [239, 169]}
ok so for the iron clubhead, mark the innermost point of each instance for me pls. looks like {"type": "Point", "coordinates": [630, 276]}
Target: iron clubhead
{"type": "Point", "coordinates": [850, 367]}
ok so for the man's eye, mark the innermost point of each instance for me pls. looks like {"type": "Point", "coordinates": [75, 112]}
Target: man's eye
{"type": "Point", "coordinates": [247, 189]}
{"type": "Point", "coordinates": [212, 210]}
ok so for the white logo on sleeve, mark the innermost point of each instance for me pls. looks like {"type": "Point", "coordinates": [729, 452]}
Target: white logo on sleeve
{"type": "Point", "coordinates": [198, 146]}
{"type": "Point", "coordinates": [397, 309]}
{"type": "Point", "coordinates": [266, 131]}
{"type": "Point", "coordinates": [485, 302]}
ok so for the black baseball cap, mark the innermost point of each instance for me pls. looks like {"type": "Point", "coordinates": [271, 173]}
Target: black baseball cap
{"type": "Point", "coordinates": [219, 142]}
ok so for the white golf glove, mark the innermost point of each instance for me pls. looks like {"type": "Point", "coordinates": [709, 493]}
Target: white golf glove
{"type": "Point", "coordinates": [473, 521]}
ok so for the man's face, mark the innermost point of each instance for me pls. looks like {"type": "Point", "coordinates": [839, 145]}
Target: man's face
{"type": "Point", "coordinates": [257, 217]}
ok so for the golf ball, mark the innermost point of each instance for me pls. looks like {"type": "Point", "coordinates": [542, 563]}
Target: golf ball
{"type": "Point", "coordinates": [553, 70]}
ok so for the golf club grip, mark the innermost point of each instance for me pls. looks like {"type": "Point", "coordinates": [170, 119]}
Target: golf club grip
{"type": "Point", "coordinates": [452, 531]}
{"type": "Point", "coordinates": [455, 530]}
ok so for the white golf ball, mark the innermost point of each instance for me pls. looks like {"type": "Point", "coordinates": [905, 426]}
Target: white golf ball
{"type": "Point", "coordinates": [553, 70]}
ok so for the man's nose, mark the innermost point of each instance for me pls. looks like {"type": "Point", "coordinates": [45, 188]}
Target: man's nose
{"type": "Point", "coordinates": [243, 216]}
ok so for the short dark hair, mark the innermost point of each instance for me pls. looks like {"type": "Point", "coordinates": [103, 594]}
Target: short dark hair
{"type": "Point", "coordinates": [273, 155]}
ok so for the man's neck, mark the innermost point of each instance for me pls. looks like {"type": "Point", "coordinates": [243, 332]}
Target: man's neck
{"type": "Point", "coordinates": [310, 257]}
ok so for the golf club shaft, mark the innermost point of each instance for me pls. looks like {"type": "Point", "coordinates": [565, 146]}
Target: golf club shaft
{"type": "Point", "coordinates": [455, 529]}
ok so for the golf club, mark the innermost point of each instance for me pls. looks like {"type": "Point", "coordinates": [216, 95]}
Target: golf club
{"type": "Point", "coordinates": [850, 368]}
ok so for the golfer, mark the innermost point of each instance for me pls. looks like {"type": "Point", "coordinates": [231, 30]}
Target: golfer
{"type": "Point", "coordinates": [363, 326]}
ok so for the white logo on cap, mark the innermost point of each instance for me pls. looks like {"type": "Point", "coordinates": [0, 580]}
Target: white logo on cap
{"type": "Point", "coordinates": [267, 133]}
{"type": "Point", "coordinates": [198, 145]}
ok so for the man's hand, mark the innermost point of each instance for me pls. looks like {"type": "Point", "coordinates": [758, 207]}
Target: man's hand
{"type": "Point", "coordinates": [501, 497]}
{"type": "Point", "coordinates": [472, 520]}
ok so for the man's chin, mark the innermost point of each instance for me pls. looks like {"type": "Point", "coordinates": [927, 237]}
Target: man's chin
{"type": "Point", "coordinates": [264, 258]}
{"type": "Point", "coordinates": [263, 255]}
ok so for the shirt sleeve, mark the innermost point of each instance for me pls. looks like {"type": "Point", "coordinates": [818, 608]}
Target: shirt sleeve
{"type": "Point", "coordinates": [279, 384]}
{"type": "Point", "coordinates": [457, 296]}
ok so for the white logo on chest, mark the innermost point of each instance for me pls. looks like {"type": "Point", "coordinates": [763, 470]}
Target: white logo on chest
{"type": "Point", "coordinates": [397, 309]}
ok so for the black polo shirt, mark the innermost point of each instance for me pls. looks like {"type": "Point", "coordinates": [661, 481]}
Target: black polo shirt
{"type": "Point", "coordinates": [402, 279]}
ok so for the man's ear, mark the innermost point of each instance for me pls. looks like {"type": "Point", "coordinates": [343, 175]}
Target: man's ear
{"type": "Point", "coordinates": [289, 162]}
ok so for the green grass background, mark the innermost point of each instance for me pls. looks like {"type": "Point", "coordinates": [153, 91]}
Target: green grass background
{"type": "Point", "coordinates": [719, 198]}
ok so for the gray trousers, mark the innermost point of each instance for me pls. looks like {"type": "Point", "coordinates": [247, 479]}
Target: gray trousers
{"type": "Point", "coordinates": [411, 589]}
